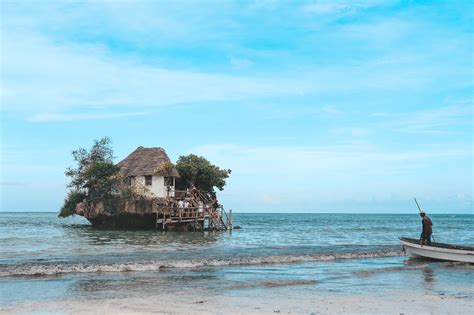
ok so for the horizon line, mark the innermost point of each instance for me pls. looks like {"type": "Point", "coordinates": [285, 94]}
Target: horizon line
{"type": "Point", "coordinates": [468, 213]}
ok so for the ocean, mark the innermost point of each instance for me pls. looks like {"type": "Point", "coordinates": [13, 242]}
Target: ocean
{"type": "Point", "coordinates": [45, 258]}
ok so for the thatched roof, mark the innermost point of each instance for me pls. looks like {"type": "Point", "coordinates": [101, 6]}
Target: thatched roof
{"type": "Point", "coordinates": [144, 161]}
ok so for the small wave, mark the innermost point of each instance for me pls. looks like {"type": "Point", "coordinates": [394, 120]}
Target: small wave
{"type": "Point", "coordinates": [275, 284]}
{"type": "Point", "coordinates": [63, 268]}
{"type": "Point", "coordinates": [389, 269]}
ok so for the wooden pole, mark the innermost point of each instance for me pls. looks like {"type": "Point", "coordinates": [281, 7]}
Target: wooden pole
{"type": "Point", "coordinates": [419, 209]}
{"type": "Point", "coordinates": [230, 219]}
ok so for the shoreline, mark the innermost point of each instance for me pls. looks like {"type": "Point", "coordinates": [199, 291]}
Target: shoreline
{"type": "Point", "coordinates": [269, 301]}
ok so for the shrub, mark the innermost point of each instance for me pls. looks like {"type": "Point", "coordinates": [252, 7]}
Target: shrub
{"type": "Point", "coordinates": [73, 198]}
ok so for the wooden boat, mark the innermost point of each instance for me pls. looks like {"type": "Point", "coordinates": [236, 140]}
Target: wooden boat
{"type": "Point", "coordinates": [438, 251]}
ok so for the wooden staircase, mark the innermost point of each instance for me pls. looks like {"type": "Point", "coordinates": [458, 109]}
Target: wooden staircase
{"type": "Point", "coordinates": [215, 212]}
{"type": "Point", "coordinates": [200, 211]}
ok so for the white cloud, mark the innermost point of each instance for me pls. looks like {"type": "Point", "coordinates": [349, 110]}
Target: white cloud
{"type": "Point", "coordinates": [240, 63]}
{"type": "Point", "coordinates": [326, 7]}
{"type": "Point", "coordinates": [41, 76]}
{"type": "Point", "coordinates": [47, 117]}
{"type": "Point", "coordinates": [12, 183]}
{"type": "Point", "coordinates": [351, 131]}
{"type": "Point", "coordinates": [318, 157]}
{"type": "Point", "coordinates": [435, 121]}
{"type": "Point", "coordinates": [289, 112]}
{"type": "Point", "coordinates": [338, 6]}
{"type": "Point", "coordinates": [331, 110]}
{"type": "Point", "coordinates": [379, 114]}
{"type": "Point", "coordinates": [336, 173]}
{"type": "Point", "coordinates": [268, 199]}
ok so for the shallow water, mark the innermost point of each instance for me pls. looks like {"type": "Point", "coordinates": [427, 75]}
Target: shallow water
{"type": "Point", "coordinates": [47, 258]}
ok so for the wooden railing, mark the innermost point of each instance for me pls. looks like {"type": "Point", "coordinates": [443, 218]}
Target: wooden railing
{"type": "Point", "coordinates": [201, 209]}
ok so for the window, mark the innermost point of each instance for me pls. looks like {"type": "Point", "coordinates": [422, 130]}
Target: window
{"type": "Point", "coordinates": [130, 180]}
{"type": "Point", "coordinates": [148, 180]}
{"type": "Point", "coordinates": [169, 181]}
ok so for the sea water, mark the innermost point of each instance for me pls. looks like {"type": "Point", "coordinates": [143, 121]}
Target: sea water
{"type": "Point", "coordinates": [45, 258]}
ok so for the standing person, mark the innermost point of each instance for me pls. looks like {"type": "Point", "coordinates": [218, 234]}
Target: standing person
{"type": "Point", "coordinates": [186, 203]}
{"type": "Point", "coordinates": [425, 237]}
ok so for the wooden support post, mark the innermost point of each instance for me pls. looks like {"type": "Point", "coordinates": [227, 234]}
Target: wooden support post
{"type": "Point", "coordinates": [230, 220]}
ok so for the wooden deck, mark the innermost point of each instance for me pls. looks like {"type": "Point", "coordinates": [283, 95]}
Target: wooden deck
{"type": "Point", "coordinates": [204, 218]}
{"type": "Point", "coordinates": [201, 214]}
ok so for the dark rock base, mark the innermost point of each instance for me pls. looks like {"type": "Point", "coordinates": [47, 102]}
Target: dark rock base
{"type": "Point", "coordinates": [141, 222]}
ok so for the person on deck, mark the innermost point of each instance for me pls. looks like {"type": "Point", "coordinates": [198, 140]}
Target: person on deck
{"type": "Point", "coordinates": [186, 203]}
{"type": "Point", "coordinates": [425, 237]}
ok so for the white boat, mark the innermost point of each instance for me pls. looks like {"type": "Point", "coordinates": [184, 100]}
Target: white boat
{"type": "Point", "coordinates": [438, 251]}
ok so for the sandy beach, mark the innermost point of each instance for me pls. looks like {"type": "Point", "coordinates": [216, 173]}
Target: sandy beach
{"type": "Point", "coordinates": [271, 301]}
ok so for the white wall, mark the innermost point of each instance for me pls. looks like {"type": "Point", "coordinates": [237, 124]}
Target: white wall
{"type": "Point", "coordinates": [157, 188]}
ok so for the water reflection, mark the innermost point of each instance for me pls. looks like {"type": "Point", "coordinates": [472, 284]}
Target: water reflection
{"type": "Point", "coordinates": [428, 276]}
{"type": "Point", "coordinates": [141, 284]}
{"type": "Point", "coordinates": [146, 238]}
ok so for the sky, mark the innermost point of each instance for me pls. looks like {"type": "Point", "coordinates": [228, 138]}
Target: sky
{"type": "Point", "coordinates": [315, 106]}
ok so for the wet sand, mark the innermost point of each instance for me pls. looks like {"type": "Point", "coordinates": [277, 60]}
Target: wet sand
{"type": "Point", "coordinates": [272, 301]}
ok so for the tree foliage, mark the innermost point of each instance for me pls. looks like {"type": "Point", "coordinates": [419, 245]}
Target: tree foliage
{"type": "Point", "coordinates": [199, 172]}
{"type": "Point", "coordinates": [95, 174]}
{"type": "Point", "coordinates": [165, 169]}
{"type": "Point", "coordinates": [100, 152]}
{"type": "Point", "coordinates": [70, 202]}
{"type": "Point", "coordinates": [101, 179]}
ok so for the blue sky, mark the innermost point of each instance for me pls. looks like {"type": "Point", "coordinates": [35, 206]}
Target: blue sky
{"type": "Point", "coordinates": [316, 106]}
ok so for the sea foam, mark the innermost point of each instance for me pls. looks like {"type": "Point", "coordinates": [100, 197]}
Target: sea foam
{"type": "Point", "coordinates": [67, 268]}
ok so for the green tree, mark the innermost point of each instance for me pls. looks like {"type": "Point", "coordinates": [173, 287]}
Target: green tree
{"type": "Point", "coordinates": [73, 198]}
{"type": "Point", "coordinates": [165, 169]}
{"type": "Point", "coordinates": [199, 172]}
{"type": "Point", "coordinates": [100, 152]}
{"type": "Point", "coordinates": [101, 179]}
{"type": "Point", "coordinates": [95, 177]}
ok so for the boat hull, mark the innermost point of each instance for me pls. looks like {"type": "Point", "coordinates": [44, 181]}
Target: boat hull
{"type": "Point", "coordinates": [437, 253]}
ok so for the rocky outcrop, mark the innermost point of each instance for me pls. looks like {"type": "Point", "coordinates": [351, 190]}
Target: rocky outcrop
{"type": "Point", "coordinates": [140, 213]}
{"type": "Point", "coordinates": [128, 213]}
